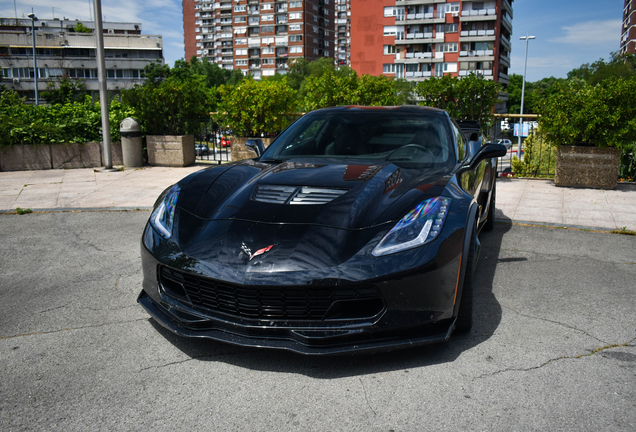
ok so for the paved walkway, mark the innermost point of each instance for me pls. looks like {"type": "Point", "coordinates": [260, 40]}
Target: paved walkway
{"type": "Point", "coordinates": [518, 200]}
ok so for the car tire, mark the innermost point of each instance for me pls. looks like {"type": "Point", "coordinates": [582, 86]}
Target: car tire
{"type": "Point", "coordinates": [490, 219]}
{"type": "Point", "coordinates": [465, 314]}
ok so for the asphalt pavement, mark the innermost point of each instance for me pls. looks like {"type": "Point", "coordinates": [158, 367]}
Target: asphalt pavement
{"type": "Point", "coordinates": [553, 346]}
{"type": "Point", "coordinates": [518, 200]}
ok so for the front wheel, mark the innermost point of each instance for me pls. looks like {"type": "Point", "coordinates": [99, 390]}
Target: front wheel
{"type": "Point", "coordinates": [465, 314]}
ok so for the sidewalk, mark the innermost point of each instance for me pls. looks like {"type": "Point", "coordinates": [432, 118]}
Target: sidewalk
{"type": "Point", "coordinates": [518, 200]}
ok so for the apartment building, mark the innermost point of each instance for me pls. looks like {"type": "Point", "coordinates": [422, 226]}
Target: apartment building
{"type": "Point", "coordinates": [418, 39]}
{"type": "Point", "coordinates": [64, 49]}
{"type": "Point", "coordinates": [343, 33]}
{"type": "Point", "coordinates": [259, 37]}
{"type": "Point", "coordinates": [628, 30]}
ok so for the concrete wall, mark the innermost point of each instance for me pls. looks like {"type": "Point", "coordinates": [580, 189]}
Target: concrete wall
{"type": "Point", "coordinates": [55, 156]}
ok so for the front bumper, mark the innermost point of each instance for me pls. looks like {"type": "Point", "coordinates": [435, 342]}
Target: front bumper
{"type": "Point", "coordinates": [302, 341]}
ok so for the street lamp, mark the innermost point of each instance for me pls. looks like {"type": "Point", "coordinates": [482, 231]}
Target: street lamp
{"type": "Point", "coordinates": [527, 38]}
{"type": "Point", "coordinates": [35, 61]}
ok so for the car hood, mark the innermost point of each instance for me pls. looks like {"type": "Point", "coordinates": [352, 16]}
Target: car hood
{"type": "Point", "coordinates": [329, 193]}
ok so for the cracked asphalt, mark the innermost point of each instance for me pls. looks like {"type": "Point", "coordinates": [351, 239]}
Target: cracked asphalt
{"type": "Point", "coordinates": [553, 346]}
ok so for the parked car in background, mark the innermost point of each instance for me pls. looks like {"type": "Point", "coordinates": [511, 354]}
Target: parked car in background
{"type": "Point", "coordinates": [201, 149]}
{"type": "Point", "coordinates": [225, 142]}
{"type": "Point", "coordinates": [357, 230]}
{"type": "Point", "coordinates": [505, 142]}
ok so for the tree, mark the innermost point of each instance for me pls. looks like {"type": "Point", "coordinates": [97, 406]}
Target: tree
{"type": "Point", "coordinates": [619, 66]}
{"type": "Point", "coordinates": [602, 115]}
{"type": "Point", "coordinates": [64, 90]}
{"type": "Point", "coordinates": [468, 98]}
{"type": "Point", "coordinates": [173, 106]}
{"type": "Point", "coordinates": [252, 108]}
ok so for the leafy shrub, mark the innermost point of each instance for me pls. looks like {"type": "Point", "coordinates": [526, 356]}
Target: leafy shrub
{"type": "Point", "coordinates": [579, 114]}
{"type": "Point", "coordinates": [255, 107]}
{"type": "Point", "coordinates": [466, 98]}
{"type": "Point", "coordinates": [172, 106]}
{"type": "Point", "coordinates": [539, 157]}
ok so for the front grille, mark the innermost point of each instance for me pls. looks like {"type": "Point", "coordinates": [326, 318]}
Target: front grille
{"type": "Point", "coordinates": [271, 303]}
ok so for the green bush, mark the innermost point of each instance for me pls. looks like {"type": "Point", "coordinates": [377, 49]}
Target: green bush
{"type": "Point", "coordinates": [539, 157]}
{"type": "Point", "coordinates": [172, 106]}
{"type": "Point", "coordinates": [579, 114]}
{"type": "Point", "coordinates": [255, 107]}
{"type": "Point", "coordinates": [466, 98]}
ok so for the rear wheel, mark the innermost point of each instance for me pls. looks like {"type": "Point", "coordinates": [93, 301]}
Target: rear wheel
{"type": "Point", "coordinates": [490, 220]}
{"type": "Point", "coordinates": [465, 314]}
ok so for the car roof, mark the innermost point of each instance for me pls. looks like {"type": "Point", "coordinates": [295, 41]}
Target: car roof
{"type": "Point", "coordinates": [399, 108]}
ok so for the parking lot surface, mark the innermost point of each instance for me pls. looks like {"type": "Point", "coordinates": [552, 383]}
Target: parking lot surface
{"type": "Point", "coordinates": [553, 346]}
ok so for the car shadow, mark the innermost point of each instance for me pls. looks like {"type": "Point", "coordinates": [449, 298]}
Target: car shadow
{"type": "Point", "coordinates": [487, 317]}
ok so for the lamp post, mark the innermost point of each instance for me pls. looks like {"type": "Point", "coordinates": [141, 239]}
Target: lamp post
{"type": "Point", "coordinates": [35, 61]}
{"type": "Point", "coordinates": [527, 38]}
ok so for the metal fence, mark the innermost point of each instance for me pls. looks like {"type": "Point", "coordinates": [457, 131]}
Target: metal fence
{"type": "Point", "coordinates": [211, 143]}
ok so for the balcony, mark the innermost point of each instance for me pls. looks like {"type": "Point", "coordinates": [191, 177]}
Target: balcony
{"type": "Point", "coordinates": [478, 15]}
{"type": "Point", "coordinates": [476, 53]}
{"type": "Point", "coordinates": [484, 73]}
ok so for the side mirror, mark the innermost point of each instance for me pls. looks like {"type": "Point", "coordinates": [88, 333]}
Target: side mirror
{"type": "Point", "coordinates": [487, 151]}
{"type": "Point", "coordinates": [257, 145]}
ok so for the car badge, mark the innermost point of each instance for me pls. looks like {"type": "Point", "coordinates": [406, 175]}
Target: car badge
{"type": "Point", "coordinates": [247, 251]}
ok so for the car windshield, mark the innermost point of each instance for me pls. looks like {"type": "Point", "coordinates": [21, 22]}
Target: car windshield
{"type": "Point", "coordinates": [405, 137]}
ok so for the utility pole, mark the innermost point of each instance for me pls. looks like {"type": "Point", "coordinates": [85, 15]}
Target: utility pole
{"type": "Point", "coordinates": [35, 61]}
{"type": "Point", "coordinates": [103, 91]}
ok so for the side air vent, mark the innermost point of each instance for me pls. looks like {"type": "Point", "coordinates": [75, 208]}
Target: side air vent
{"type": "Point", "coordinates": [274, 194]}
{"type": "Point", "coordinates": [308, 195]}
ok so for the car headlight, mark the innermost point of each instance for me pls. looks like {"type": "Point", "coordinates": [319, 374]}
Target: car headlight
{"type": "Point", "coordinates": [162, 218]}
{"type": "Point", "coordinates": [420, 226]}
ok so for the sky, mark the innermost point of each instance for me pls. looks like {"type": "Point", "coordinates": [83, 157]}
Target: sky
{"type": "Point", "coordinates": [568, 33]}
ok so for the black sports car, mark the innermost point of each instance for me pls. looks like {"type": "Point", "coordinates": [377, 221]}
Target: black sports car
{"type": "Point", "coordinates": [356, 230]}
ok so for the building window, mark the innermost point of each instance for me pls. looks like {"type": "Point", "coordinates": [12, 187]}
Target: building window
{"type": "Point", "coordinates": [241, 62]}
{"type": "Point", "coordinates": [296, 38]}
{"type": "Point", "coordinates": [240, 41]}
{"type": "Point", "coordinates": [267, 29]}
{"type": "Point", "coordinates": [265, 51]}
{"type": "Point", "coordinates": [295, 15]}
{"type": "Point", "coordinates": [295, 27]}
{"type": "Point", "coordinates": [447, 47]}
{"type": "Point", "coordinates": [240, 19]}
{"type": "Point", "coordinates": [239, 8]}
{"type": "Point", "coordinates": [389, 49]}
{"type": "Point", "coordinates": [242, 51]}
{"type": "Point", "coordinates": [390, 30]}
{"type": "Point", "coordinates": [451, 28]}
{"type": "Point", "coordinates": [267, 6]}
{"type": "Point", "coordinates": [267, 18]}
{"type": "Point", "coordinates": [295, 4]}
{"type": "Point", "coordinates": [388, 68]}
{"type": "Point", "coordinates": [296, 49]}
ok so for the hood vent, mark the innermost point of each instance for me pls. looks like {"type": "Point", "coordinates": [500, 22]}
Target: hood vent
{"type": "Point", "coordinates": [296, 195]}
{"type": "Point", "coordinates": [308, 195]}
{"type": "Point", "coordinates": [274, 194]}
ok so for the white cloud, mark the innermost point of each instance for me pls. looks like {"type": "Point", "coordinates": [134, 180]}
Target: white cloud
{"type": "Point", "coordinates": [590, 33]}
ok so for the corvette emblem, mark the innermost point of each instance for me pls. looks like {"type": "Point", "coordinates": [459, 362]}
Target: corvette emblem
{"type": "Point", "coordinates": [247, 251]}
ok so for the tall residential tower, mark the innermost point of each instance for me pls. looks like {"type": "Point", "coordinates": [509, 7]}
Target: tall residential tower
{"type": "Point", "coordinates": [417, 39]}
{"type": "Point", "coordinates": [259, 37]}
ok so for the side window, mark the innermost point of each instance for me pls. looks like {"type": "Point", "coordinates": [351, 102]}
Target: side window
{"type": "Point", "coordinates": [461, 142]}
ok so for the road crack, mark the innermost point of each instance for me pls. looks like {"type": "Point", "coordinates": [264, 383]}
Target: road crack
{"type": "Point", "coordinates": [365, 396]}
{"type": "Point", "coordinates": [553, 360]}
{"type": "Point", "coordinates": [571, 327]}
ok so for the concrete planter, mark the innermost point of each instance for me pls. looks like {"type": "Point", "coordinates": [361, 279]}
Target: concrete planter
{"type": "Point", "coordinates": [55, 156]}
{"type": "Point", "coordinates": [170, 150]}
{"type": "Point", "coordinates": [240, 152]}
{"type": "Point", "coordinates": [76, 155]}
{"type": "Point", "coordinates": [25, 157]}
{"type": "Point", "coordinates": [592, 167]}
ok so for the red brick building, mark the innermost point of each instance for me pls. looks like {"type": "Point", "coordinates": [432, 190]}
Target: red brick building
{"type": "Point", "coordinates": [417, 39]}
{"type": "Point", "coordinates": [261, 37]}
{"type": "Point", "coordinates": [628, 31]}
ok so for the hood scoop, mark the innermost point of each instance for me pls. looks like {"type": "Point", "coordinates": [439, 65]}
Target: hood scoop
{"type": "Point", "coordinates": [296, 195]}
